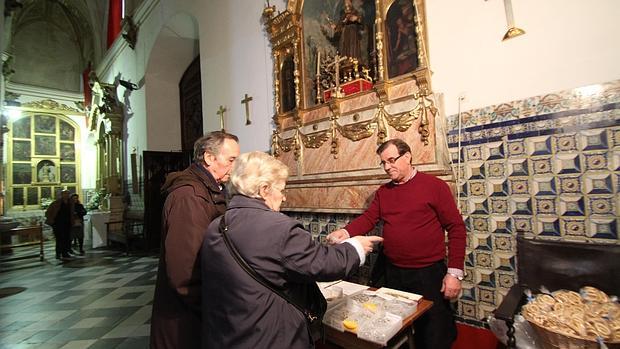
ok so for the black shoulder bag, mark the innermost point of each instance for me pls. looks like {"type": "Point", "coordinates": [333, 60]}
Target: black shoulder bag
{"type": "Point", "coordinates": [315, 306]}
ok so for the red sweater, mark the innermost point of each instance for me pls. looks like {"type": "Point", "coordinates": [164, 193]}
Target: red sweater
{"type": "Point", "coordinates": [415, 215]}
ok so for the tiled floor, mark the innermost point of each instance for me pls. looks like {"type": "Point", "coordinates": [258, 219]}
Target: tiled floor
{"type": "Point", "coordinates": [101, 300]}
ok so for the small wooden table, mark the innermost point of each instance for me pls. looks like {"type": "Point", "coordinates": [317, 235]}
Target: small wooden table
{"type": "Point", "coordinates": [350, 341]}
{"type": "Point", "coordinates": [26, 236]}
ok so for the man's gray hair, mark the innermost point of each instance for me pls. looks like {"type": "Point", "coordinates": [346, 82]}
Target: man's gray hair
{"type": "Point", "coordinates": [211, 143]}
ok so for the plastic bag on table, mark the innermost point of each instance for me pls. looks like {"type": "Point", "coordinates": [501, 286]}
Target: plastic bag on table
{"type": "Point", "coordinates": [525, 335]}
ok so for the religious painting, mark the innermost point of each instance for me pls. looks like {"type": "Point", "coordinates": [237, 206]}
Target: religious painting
{"type": "Point", "coordinates": [46, 172]}
{"type": "Point", "coordinates": [21, 150]}
{"type": "Point", "coordinates": [22, 173]}
{"type": "Point", "coordinates": [21, 128]}
{"type": "Point", "coordinates": [46, 193]}
{"type": "Point", "coordinates": [67, 132]}
{"type": "Point", "coordinates": [67, 173]}
{"type": "Point", "coordinates": [32, 196]}
{"type": "Point", "coordinates": [401, 38]}
{"type": "Point", "coordinates": [337, 27]}
{"type": "Point", "coordinates": [67, 152]}
{"type": "Point", "coordinates": [44, 124]}
{"type": "Point", "coordinates": [44, 145]}
{"type": "Point", "coordinates": [287, 84]}
{"type": "Point", "coordinates": [18, 196]}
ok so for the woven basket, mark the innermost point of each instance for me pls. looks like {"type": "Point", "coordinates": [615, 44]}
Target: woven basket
{"type": "Point", "coordinates": [554, 340]}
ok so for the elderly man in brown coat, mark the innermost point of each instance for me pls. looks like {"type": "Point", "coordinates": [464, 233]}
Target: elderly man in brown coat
{"type": "Point", "coordinates": [195, 197]}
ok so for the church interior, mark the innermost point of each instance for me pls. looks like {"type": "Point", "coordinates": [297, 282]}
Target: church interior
{"type": "Point", "coordinates": [514, 103]}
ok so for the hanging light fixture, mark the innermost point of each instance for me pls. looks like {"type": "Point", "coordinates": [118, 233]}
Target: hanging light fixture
{"type": "Point", "coordinates": [513, 31]}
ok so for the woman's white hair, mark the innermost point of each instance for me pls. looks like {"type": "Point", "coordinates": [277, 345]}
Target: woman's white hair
{"type": "Point", "coordinates": [254, 170]}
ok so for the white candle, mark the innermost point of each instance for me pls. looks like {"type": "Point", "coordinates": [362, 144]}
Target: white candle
{"type": "Point", "coordinates": [318, 62]}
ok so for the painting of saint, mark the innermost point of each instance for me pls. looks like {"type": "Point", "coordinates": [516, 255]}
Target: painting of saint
{"type": "Point", "coordinates": [67, 132]}
{"type": "Point", "coordinates": [32, 196]}
{"type": "Point", "coordinates": [67, 174]}
{"type": "Point", "coordinates": [18, 196]}
{"type": "Point", "coordinates": [44, 124]}
{"type": "Point", "coordinates": [343, 27]}
{"type": "Point", "coordinates": [67, 152]}
{"type": "Point", "coordinates": [21, 128]}
{"type": "Point", "coordinates": [44, 145]}
{"type": "Point", "coordinates": [46, 193]}
{"type": "Point", "coordinates": [401, 38]}
{"type": "Point", "coordinates": [21, 150]}
{"type": "Point", "coordinates": [22, 173]}
{"type": "Point", "coordinates": [287, 85]}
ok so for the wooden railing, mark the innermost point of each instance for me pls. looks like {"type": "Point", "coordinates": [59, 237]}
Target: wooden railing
{"type": "Point", "coordinates": [12, 241]}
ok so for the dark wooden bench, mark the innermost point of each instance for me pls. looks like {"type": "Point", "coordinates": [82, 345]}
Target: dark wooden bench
{"type": "Point", "coordinates": [559, 265]}
{"type": "Point", "coordinates": [26, 237]}
{"type": "Point", "coordinates": [127, 231]}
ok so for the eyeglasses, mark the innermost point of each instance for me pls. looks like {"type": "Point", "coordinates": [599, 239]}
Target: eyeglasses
{"type": "Point", "coordinates": [390, 161]}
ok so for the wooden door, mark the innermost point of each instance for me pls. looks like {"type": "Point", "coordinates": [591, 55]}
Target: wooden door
{"type": "Point", "coordinates": [191, 105]}
{"type": "Point", "coordinates": [157, 165]}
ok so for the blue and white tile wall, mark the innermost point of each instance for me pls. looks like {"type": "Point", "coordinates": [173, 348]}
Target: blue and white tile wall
{"type": "Point", "coordinates": [548, 167]}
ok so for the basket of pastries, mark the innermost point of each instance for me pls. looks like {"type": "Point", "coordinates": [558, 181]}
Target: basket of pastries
{"type": "Point", "coordinates": [567, 319]}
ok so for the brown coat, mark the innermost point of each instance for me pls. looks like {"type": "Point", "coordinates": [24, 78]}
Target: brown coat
{"type": "Point", "coordinates": [194, 200]}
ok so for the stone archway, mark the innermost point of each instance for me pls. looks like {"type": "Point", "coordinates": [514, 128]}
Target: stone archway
{"type": "Point", "coordinates": [176, 46]}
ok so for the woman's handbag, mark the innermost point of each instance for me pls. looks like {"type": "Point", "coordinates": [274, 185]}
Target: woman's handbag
{"type": "Point", "coordinates": [314, 305]}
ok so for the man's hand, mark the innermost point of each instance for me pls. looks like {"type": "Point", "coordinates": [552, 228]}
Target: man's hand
{"type": "Point", "coordinates": [337, 236]}
{"type": "Point", "coordinates": [368, 241]}
{"type": "Point", "coordinates": [451, 287]}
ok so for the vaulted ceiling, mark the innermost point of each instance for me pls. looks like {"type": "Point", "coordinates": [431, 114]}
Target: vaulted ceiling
{"type": "Point", "coordinates": [52, 41]}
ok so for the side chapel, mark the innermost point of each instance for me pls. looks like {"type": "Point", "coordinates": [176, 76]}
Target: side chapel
{"type": "Point", "coordinates": [515, 104]}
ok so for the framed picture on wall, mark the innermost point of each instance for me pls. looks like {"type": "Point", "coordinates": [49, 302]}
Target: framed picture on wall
{"type": "Point", "coordinates": [287, 84]}
{"type": "Point", "coordinates": [32, 197]}
{"type": "Point", "coordinates": [18, 196]}
{"type": "Point", "coordinates": [402, 39]}
{"type": "Point", "coordinates": [46, 193]}
{"type": "Point", "coordinates": [67, 152]}
{"type": "Point", "coordinates": [21, 128]}
{"type": "Point", "coordinates": [21, 150]}
{"type": "Point", "coordinates": [67, 132]}
{"type": "Point", "coordinates": [45, 145]}
{"type": "Point", "coordinates": [44, 124]}
{"type": "Point", "coordinates": [22, 173]}
{"type": "Point", "coordinates": [67, 173]}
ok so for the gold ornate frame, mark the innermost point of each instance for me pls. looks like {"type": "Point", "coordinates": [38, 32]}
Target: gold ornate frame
{"type": "Point", "coordinates": [330, 146]}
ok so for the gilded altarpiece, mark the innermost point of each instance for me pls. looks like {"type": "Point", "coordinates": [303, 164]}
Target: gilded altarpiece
{"type": "Point", "coordinates": [349, 75]}
{"type": "Point", "coordinates": [106, 117]}
{"type": "Point", "coordinates": [42, 153]}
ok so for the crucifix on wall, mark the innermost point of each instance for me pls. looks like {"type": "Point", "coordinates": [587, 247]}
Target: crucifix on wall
{"type": "Point", "coordinates": [246, 101]}
{"type": "Point", "coordinates": [220, 113]}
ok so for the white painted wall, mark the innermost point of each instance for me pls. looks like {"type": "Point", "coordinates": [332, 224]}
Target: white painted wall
{"type": "Point", "coordinates": [236, 59]}
{"type": "Point", "coordinates": [567, 44]}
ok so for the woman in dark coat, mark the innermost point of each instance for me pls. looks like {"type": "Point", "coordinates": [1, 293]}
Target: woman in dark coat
{"type": "Point", "coordinates": [238, 311]}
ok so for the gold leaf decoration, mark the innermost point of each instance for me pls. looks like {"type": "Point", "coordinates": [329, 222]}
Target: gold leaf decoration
{"type": "Point", "coordinates": [358, 131]}
{"type": "Point", "coordinates": [315, 140]}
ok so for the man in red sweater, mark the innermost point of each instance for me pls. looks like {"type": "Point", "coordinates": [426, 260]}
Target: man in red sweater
{"type": "Point", "coordinates": [416, 210]}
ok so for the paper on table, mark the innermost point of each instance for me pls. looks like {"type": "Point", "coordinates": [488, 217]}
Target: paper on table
{"type": "Point", "coordinates": [398, 293]}
{"type": "Point", "coordinates": [348, 288]}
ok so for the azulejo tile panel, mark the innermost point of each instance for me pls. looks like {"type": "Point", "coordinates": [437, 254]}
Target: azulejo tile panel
{"type": "Point", "coordinates": [549, 167]}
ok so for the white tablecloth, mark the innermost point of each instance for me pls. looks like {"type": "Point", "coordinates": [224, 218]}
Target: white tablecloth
{"type": "Point", "coordinates": [95, 228]}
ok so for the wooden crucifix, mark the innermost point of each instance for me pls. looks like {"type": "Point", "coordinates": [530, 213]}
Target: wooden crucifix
{"type": "Point", "coordinates": [220, 113]}
{"type": "Point", "coordinates": [246, 101]}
